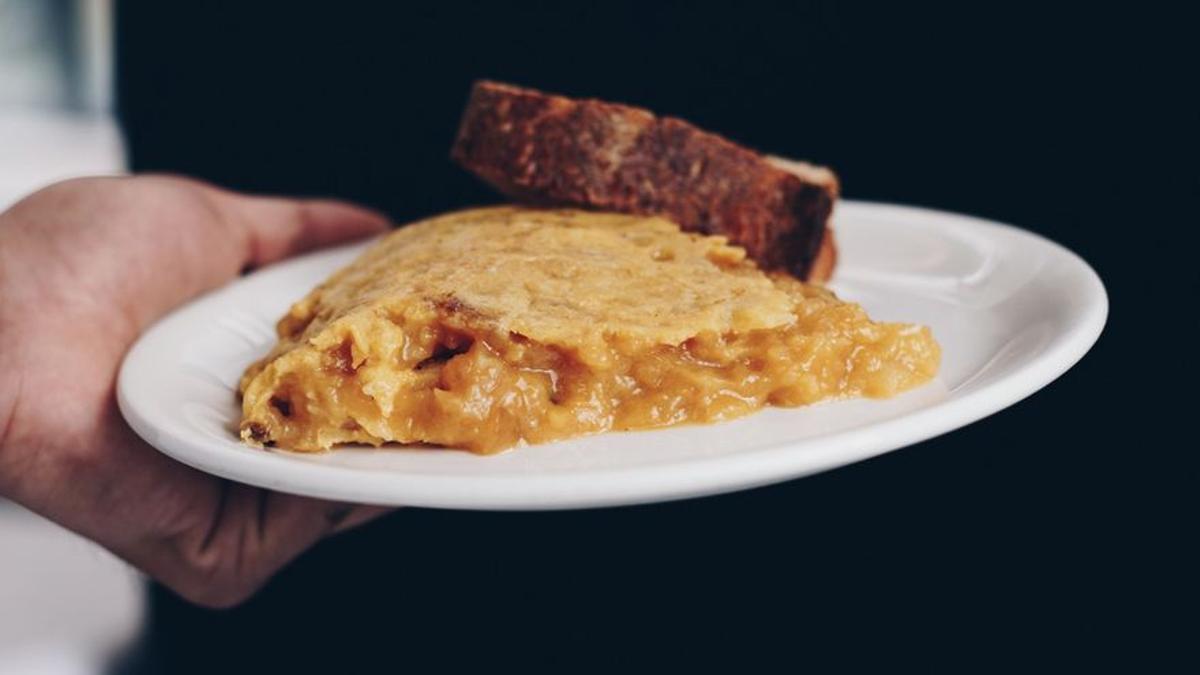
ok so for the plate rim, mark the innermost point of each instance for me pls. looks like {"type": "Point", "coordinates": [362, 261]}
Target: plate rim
{"type": "Point", "coordinates": [695, 477]}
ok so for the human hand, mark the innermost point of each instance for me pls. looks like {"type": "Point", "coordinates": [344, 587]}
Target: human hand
{"type": "Point", "coordinates": [85, 267]}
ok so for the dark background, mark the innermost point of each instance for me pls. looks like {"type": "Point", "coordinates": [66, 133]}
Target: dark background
{"type": "Point", "coordinates": [1054, 533]}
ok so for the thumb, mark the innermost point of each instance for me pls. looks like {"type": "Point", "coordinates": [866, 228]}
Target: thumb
{"type": "Point", "coordinates": [215, 233]}
{"type": "Point", "coordinates": [276, 228]}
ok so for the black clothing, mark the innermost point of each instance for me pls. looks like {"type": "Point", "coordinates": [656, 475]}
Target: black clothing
{"type": "Point", "coordinates": [1009, 538]}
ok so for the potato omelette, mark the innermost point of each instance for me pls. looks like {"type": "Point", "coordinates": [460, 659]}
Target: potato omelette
{"type": "Point", "coordinates": [488, 328]}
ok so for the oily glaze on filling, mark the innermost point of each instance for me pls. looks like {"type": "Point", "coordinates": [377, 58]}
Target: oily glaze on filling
{"type": "Point", "coordinates": [486, 328]}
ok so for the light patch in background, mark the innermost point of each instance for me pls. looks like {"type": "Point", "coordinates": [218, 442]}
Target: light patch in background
{"type": "Point", "coordinates": [56, 54]}
{"type": "Point", "coordinates": [67, 606]}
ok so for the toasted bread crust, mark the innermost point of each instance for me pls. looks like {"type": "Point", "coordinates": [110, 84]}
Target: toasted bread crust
{"type": "Point", "coordinates": [552, 150]}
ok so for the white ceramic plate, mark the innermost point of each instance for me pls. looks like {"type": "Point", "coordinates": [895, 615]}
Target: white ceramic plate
{"type": "Point", "coordinates": [1012, 311]}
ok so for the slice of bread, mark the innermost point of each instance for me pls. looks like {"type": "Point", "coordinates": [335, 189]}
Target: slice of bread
{"type": "Point", "coordinates": [551, 150]}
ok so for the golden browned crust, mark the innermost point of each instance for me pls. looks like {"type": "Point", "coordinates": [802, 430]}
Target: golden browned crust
{"type": "Point", "coordinates": [552, 150]}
